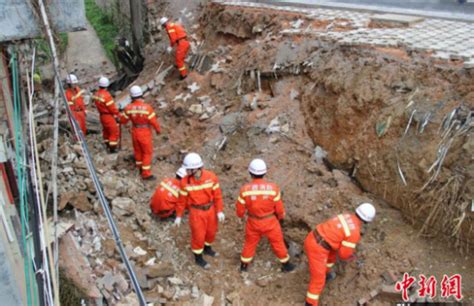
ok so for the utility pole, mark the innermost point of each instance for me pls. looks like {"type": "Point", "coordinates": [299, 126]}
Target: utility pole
{"type": "Point", "coordinates": [136, 12]}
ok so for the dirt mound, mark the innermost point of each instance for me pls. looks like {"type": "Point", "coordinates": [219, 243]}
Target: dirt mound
{"type": "Point", "coordinates": [397, 120]}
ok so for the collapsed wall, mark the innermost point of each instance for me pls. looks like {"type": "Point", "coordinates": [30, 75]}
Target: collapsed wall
{"type": "Point", "coordinates": [398, 119]}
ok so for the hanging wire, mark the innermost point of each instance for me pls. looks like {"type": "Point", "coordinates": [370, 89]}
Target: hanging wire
{"type": "Point", "coordinates": [88, 159]}
{"type": "Point", "coordinates": [19, 155]}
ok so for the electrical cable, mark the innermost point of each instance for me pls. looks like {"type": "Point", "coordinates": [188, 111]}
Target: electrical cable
{"type": "Point", "coordinates": [89, 163]}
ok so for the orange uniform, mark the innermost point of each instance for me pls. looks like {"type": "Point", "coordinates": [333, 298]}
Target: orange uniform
{"type": "Point", "coordinates": [335, 237]}
{"type": "Point", "coordinates": [203, 197]}
{"type": "Point", "coordinates": [262, 201]}
{"type": "Point", "coordinates": [75, 100]}
{"type": "Point", "coordinates": [108, 112]}
{"type": "Point", "coordinates": [177, 36]}
{"type": "Point", "coordinates": [143, 119]}
{"type": "Point", "coordinates": [163, 202]}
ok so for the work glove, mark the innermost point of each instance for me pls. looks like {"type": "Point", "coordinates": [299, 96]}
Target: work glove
{"type": "Point", "coordinates": [169, 50]}
{"type": "Point", "coordinates": [220, 217]}
{"type": "Point", "coordinates": [177, 221]}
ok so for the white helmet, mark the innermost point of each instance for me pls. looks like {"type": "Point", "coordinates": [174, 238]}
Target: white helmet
{"type": "Point", "coordinates": [163, 20]}
{"type": "Point", "coordinates": [366, 212]}
{"type": "Point", "coordinates": [192, 161]}
{"type": "Point", "coordinates": [181, 172]}
{"type": "Point", "coordinates": [136, 91]}
{"type": "Point", "coordinates": [104, 82]}
{"type": "Point", "coordinates": [257, 167]}
{"type": "Point", "coordinates": [71, 79]}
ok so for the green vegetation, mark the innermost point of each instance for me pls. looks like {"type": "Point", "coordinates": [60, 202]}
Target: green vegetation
{"type": "Point", "coordinates": [104, 27]}
{"type": "Point", "coordinates": [42, 47]}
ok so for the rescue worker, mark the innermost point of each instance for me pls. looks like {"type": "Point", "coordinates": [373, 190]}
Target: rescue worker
{"type": "Point", "coordinates": [201, 194]}
{"type": "Point", "coordinates": [75, 100]}
{"type": "Point", "coordinates": [143, 119]}
{"type": "Point", "coordinates": [336, 237]}
{"type": "Point", "coordinates": [109, 115]}
{"type": "Point", "coordinates": [163, 202]}
{"type": "Point", "coordinates": [262, 201]}
{"type": "Point", "coordinates": [177, 36]}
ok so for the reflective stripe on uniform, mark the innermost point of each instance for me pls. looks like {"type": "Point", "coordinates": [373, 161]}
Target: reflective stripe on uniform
{"type": "Point", "coordinates": [70, 102]}
{"type": "Point", "coordinates": [207, 243]}
{"type": "Point", "coordinates": [284, 259]}
{"type": "Point", "coordinates": [216, 186]}
{"type": "Point", "coordinates": [241, 201]}
{"type": "Point", "coordinates": [125, 115]}
{"type": "Point", "coordinates": [277, 198]}
{"type": "Point", "coordinates": [348, 244]}
{"type": "Point", "coordinates": [98, 98]}
{"type": "Point", "coordinates": [246, 259]}
{"type": "Point", "coordinates": [330, 265]}
{"type": "Point", "coordinates": [78, 94]}
{"type": "Point", "coordinates": [258, 192]}
{"type": "Point", "coordinates": [151, 115]}
{"type": "Point", "coordinates": [182, 68]}
{"type": "Point", "coordinates": [109, 103]}
{"type": "Point", "coordinates": [170, 189]}
{"type": "Point", "coordinates": [171, 31]}
{"type": "Point", "coordinates": [347, 231]}
{"type": "Point", "coordinates": [312, 296]}
{"type": "Point", "coordinates": [198, 251]}
{"type": "Point", "coordinates": [138, 162]}
{"type": "Point", "coordinates": [182, 192]}
{"type": "Point", "coordinates": [199, 187]}
{"type": "Point", "coordinates": [146, 167]}
{"type": "Point", "coordinates": [141, 112]}
{"type": "Point", "coordinates": [113, 143]}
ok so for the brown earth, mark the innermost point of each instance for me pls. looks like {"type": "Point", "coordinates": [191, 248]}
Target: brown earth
{"type": "Point", "coordinates": [336, 102]}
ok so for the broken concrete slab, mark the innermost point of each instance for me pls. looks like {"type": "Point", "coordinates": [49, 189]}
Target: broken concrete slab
{"type": "Point", "coordinates": [123, 206]}
{"type": "Point", "coordinates": [76, 267]}
{"type": "Point", "coordinates": [395, 19]}
{"type": "Point", "coordinates": [160, 270]}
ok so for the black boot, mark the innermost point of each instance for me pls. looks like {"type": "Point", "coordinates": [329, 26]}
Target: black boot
{"type": "Point", "coordinates": [287, 267]}
{"type": "Point", "coordinates": [330, 276]}
{"type": "Point", "coordinates": [183, 77]}
{"type": "Point", "coordinates": [200, 261]}
{"type": "Point", "coordinates": [307, 304]}
{"type": "Point", "coordinates": [244, 267]}
{"type": "Point", "coordinates": [209, 251]}
{"type": "Point", "coordinates": [113, 149]}
{"type": "Point", "coordinates": [149, 178]}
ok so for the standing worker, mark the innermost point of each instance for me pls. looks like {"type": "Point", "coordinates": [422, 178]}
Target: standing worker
{"type": "Point", "coordinates": [336, 237]}
{"type": "Point", "coordinates": [109, 115]}
{"type": "Point", "coordinates": [201, 193]}
{"type": "Point", "coordinates": [75, 100]}
{"type": "Point", "coordinates": [143, 119]}
{"type": "Point", "coordinates": [163, 202]}
{"type": "Point", "coordinates": [262, 201]}
{"type": "Point", "coordinates": [177, 36]}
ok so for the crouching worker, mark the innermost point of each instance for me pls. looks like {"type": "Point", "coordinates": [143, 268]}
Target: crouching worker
{"type": "Point", "coordinates": [337, 237]}
{"type": "Point", "coordinates": [163, 201]}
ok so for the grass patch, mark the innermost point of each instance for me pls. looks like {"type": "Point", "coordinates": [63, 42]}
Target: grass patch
{"type": "Point", "coordinates": [103, 26]}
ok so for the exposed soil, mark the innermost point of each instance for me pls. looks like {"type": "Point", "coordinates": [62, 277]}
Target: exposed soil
{"type": "Point", "coordinates": [334, 96]}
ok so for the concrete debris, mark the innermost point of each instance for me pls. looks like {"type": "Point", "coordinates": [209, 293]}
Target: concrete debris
{"type": "Point", "coordinates": [274, 126]}
{"type": "Point", "coordinates": [296, 24]}
{"type": "Point", "coordinates": [178, 97]}
{"type": "Point", "coordinates": [123, 206]}
{"type": "Point", "coordinates": [193, 87]}
{"type": "Point", "coordinates": [139, 251]}
{"type": "Point", "coordinates": [175, 281]}
{"type": "Point", "coordinates": [319, 154]}
{"type": "Point", "coordinates": [196, 109]}
{"type": "Point", "coordinates": [230, 123]}
{"type": "Point", "coordinates": [187, 97]}
{"type": "Point", "coordinates": [160, 270]}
